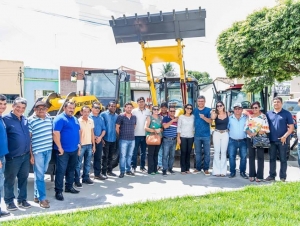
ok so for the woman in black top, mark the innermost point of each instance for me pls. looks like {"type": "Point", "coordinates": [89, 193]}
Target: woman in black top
{"type": "Point", "coordinates": [220, 140]}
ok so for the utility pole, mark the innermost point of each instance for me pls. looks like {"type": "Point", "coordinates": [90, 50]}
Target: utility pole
{"type": "Point", "coordinates": [20, 80]}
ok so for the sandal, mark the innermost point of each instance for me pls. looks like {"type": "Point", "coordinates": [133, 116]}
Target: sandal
{"type": "Point", "coordinates": [183, 173]}
{"type": "Point", "coordinates": [252, 179]}
{"type": "Point", "coordinates": [222, 175]}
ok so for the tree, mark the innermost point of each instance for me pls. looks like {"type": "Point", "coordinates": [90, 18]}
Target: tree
{"type": "Point", "coordinates": [202, 77]}
{"type": "Point", "coordinates": [263, 48]}
{"type": "Point", "coordinates": [168, 69]}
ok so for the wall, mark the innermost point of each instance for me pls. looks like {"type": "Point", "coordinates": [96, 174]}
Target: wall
{"type": "Point", "coordinates": [37, 82]}
{"type": "Point", "coordinates": [295, 87]}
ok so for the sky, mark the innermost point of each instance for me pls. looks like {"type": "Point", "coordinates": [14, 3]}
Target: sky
{"type": "Point", "coordinates": [50, 34]}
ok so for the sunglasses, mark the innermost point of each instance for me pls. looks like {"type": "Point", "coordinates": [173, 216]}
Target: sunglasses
{"type": "Point", "coordinates": [238, 108]}
{"type": "Point", "coordinates": [171, 111]}
{"type": "Point", "coordinates": [255, 107]}
{"type": "Point", "coordinates": [97, 107]}
{"type": "Point", "coordinates": [155, 109]}
{"type": "Point", "coordinates": [189, 108]}
{"type": "Point", "coordinates": [218, 106]}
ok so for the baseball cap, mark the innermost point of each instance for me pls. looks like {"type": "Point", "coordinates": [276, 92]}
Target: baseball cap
{"type": "Point", "coordinates": [237, 105]}
{"type": "Point", "coordinates": [40, 103]}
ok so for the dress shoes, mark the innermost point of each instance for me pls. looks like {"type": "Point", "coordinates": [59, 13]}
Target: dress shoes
{"type": "Point", "coordinates": [121, 175]}
{"type": "Point", "coordinates": [4, 213]}
{"type": "Point", "coordinates": [71, 190]}
{"type": "Point", "coordinates": [59, 196]}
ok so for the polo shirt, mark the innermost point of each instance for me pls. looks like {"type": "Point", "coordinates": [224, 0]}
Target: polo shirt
{"type": "Point", "coordinates": [202, 128]}
{"type": "Point", "coordinates": [18, 136]}
{"type": "Point", "coordinates": [99, 124]}
{"type": "Point", "coordinates": [3, 138]}
{"type": "Point", "coordinates": [126, 126]}
{"type": "Point", "coordinates": [278, 123]}
{"type": "Point", "coordinates": [110, 124]}
{"type": "Point", "coordinates": [171, 131]}
{"type": "Point", "coordinates": [86, 130]}
{"type": "Point", "coordinates": [41, 133]}
{"type": "Point", "coordinates": [68, 126]}
{"type": "Point", "coordinates": [141, 116]}
{"type": "Point", "coordinates": [236, 127]}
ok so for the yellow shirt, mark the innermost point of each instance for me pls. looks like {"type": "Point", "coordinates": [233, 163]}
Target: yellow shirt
{"type": "Point", "coordinates": [86, 130]}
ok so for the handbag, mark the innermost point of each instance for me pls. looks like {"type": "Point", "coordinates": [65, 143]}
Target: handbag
{"type": "Point", "coordinates": [153, 139]}
{"type": "Point", "coordinates": [261, 141]}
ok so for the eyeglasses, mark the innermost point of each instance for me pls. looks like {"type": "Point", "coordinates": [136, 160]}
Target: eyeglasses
{"type": "Point", "coordinates": [41, 109]}
{"type": "Point", "coordinates": [97, 107]}
{"type": "Point", "coordinates": [255, 107]}
{"type": "Point", "coordinates": [218, 106]}
{"type": "Point", "coordinates": [171, 111]}
{"type": "Point", "coordinates": [238, 108]}
{"type": "Point", "coordinates": [155, 109]}
{"type": "Point", "coordinates": [189, 108]}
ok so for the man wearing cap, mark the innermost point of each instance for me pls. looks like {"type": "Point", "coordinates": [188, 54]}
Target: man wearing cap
{"type": "Point", "coordinates": [3, 149]}
{"type": "Point", "coordinates": [17, 159]}
{"type": "Point", "coordinates": [40, 128]}
{"type": "Point", "coordinates": [141, 114]}
{"type": "Point", "coordinates": [237, 140]}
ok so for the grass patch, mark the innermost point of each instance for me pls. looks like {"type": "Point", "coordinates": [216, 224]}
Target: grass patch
{"type": "Point", "coordinates": [277, 204]}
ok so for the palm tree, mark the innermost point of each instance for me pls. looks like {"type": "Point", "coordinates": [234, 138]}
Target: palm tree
{"type": "Point", "coordinates": [168, 70]}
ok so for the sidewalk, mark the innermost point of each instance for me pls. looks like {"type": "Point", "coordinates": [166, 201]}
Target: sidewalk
{"type": "Point", "coordinates": [142, 187]}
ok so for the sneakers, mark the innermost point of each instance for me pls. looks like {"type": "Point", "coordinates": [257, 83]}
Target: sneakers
{"type": "Point", "coordinates": [11, 206]}
{"type": "Point", "coordinates": [171, 172]}
{"type": "Point", "coordinates": [282, 179]}
{"type": "Point", "coordinates": [143, 169]}
{"type": "Point", "coordinates": [130, 173]}
{"type": "Point", "coordinates": [270, 179]}
{"type": "Point", "coordinates": [78, 185]}
{"type": "Point", "coordinates": [196, 171]}
{"type": "Point", "coordinates": [164, 173]}
{"type": "Point", "coordinates": [159, 168]}
{"type": "Point", "coordinates": [244, 175]}
{"type": "Point", "coordinates": [121, 175]}
{"type": "Point", "coordinates": [44, 204]}
{"type": "Point", "coordinates": [206, 173]}
{"type": "Point", "coordinates": [111, 174]}
{"type": "Point", "coordinates": [152, 173]}
{"type": "Point", "coordinates": [24, 204]}
{"type": "Point", "coordinates": [232, 175]}
{"type": "Point", "coordinates": [88, 181]}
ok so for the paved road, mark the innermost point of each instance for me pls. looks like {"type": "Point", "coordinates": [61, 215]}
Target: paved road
{"type": "Point", "coordinates": [142, 187]}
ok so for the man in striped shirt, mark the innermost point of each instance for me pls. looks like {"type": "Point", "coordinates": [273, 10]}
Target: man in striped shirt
{"type": "Point", "coordinates": [40, 128]}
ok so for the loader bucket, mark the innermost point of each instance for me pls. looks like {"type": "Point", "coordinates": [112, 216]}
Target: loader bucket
{"type": "Point", "coordinates": [161, 26]}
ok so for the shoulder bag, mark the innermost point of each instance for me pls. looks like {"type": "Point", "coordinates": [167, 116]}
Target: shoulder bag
{"type": "Point", "coordinates": [261, 141]}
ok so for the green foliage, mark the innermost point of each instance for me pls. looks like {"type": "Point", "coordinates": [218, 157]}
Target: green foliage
{"type": "Point", "coordinates": [168, 67]}
{"type": "Point", "coordinates": [202, 77]}
{"type": "Point", "coordinates": [276, 204]}
{"type": "Point", "coordinates": [263, 48]}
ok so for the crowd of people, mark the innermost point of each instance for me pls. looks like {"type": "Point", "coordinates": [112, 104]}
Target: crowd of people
{"type": "Point", "coordinates": [94, 136]}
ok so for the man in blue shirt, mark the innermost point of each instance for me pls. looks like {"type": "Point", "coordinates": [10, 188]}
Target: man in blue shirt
{"type": "Point", "coordinates": [125, 126]}
{"type": "Point", "coordinates": [66, 136]}
{"type": "Point", "coordinates": [281, 126]}
{"type": "Point", "coordinates": [99, 133]}
{"type": "Point", "coordinates": [169, 140]}
{"type": "Point", "coordinates": [110, 139]}
{"type": "Point", "coordinates": [17, 159]}
{"type": "Point", "coordinates": [237, 140]}
{"type": "Point", "coordinates": [202, 135]}
{"type": "Point", "coordinates": [3, 149]}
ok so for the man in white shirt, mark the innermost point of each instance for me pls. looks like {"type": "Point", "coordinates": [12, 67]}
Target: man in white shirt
{"type": "Point", "coordinates": [141, 114]}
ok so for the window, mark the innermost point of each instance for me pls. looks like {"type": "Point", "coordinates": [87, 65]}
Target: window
{"type": "Point", "coordinates": [11, 97]}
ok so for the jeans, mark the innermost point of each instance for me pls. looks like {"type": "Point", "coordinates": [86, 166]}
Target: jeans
{"type": "Point", "coordinates": [108, 151]}
{"type": "Point", "coordinates": [16, 167]}
{"type": "Point", "coordinates": [202, 147]}
{"type": "Point", "coordinates": [160, 156]}
{"type": "Point", "coordinates": [65, 166]}
{"type": "Point", "coordinates": [259, 173]}
{"type": "Point", "coordinates": [2, 169]}
{"type": "Point", "coordinates": [186, 146]}
{"type": "Point", "coordinates": [152, 158]}
{"type": "Point", "coordinates": [299, 153]}
{"type": "Point", "coordinates": [277, 147]}
{"type": "Point", "coordinates": [232, 151]}
{"type": "Point", "coordinates": [220, 153]}
{"type": "Point", "coordinates": [168, 153]}
{"type": "Point", "coordinates": [139, 141]}
{"type": "Point", "coordinates": [40, 166]}
{"type": "Point", "coordinates": [98, 159]}
{"type": "Point", "coordinates": [126, 150]}
{"type": "Point", "coordinates": [86, 154]}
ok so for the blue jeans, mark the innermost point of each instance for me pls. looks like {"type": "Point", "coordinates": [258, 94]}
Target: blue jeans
{"type": "Point", "coordinates": [86, 153]}
{"type": "Point", "coordinates": [65, 166]}
{"type": "Point", "coordinates": [202, 147]}
{"type": "Point", "coordinates": [160, 156]}
{"type": "Point", "coordinates": [233, 145]}
{"type": "Point", "coordinates": [41, 163]}
{"type": "Point", "coordinates": [2, 169]}
{"type": "Point", "coordinates": [16, 167]}
{"type": "Point", "coordinates": [168, 153]}
{"type": "Point", "coordinates": [277, 147]}
{"type": "Point", "coordinates": [126, 150]}
{"type": "Point", "coordinates": [299, 153]}
{"type": "Point", "coordinates": [139, 141]}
